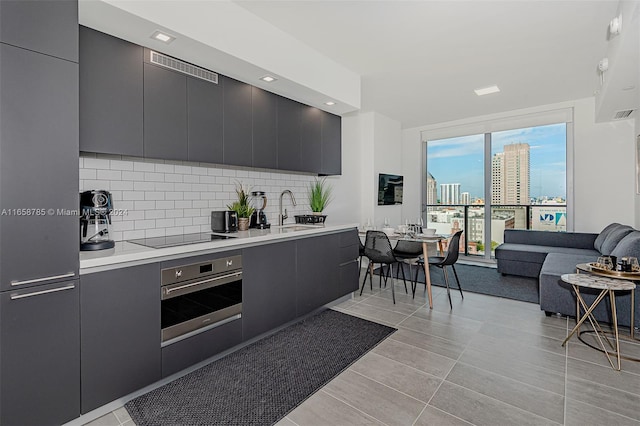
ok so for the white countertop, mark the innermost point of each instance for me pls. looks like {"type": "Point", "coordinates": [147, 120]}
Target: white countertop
{"type": "Point", "coordinates": [129, 254]}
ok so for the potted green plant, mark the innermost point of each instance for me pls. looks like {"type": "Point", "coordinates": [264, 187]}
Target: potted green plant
{"type": "Point", "coordinates": [319, 195]}
{"type": "Point", "coordinates": [242, 207]}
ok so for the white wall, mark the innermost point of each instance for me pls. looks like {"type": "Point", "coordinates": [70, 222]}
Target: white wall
{"type": "Point", "coordinates": [603, 172]}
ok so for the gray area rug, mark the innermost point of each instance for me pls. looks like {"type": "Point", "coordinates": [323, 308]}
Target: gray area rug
{"type": "Point", "coordinates": [478, 279]}
{"type": "Point", "coordinates": [260, 383]}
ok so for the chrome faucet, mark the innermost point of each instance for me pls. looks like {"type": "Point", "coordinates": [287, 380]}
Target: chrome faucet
{"type": "Point", "coordinates": [282, 217]}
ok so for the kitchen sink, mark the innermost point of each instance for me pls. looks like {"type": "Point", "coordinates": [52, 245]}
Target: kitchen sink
{"type": "Point", "coordinates": [294, 227]}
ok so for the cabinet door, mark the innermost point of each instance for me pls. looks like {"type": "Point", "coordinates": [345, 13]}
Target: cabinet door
{"type": "Point", "coordinates": [204, 120]}
{"type": "Point", "coordinates": [311, 141]}
{"type": "Point", "coordinates": [317, 271]}
{"type": "Point", "coordinates": [165, 114]}
{"type": "Point", "coordinates": [120, 338]}
{"type": "Point", "coordinates": [44, 26]}
{"type": "Point", "coordinates": [348, 263]}
{"type": "Point", "coordinates": [289, 134]}
{"type": "Point", "coordinates": [40, 355]}
{"type": "Point", "coordinates": [38, 167]}
{"type": "Point", "coordinates": [269, 287]}
{"type": "Point", "coordinates": [331, 144]}
{"type": "Point", "coordinates": [265, 128]}
{"type": "Point", "coordinates": [237, 123]}
{"type": "Point", "coordinates": [111, 94]}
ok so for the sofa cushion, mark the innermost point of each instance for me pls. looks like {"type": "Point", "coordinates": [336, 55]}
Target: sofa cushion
{"type": "Point", "coordinates": [597, 244]}
{"type": "Point", "coordinates": [536, 254]}
{"type": "Point", "coordinates": [613, 236]}
{"type": "Point", "coordinates": [628, 246]}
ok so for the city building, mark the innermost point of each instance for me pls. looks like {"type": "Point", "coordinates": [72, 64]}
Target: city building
{"type": "Point", "coordinates": [450, 193]}
{"type": "Point", "coordinates": [510, 178]}
{"type": "Point", "coordinates": [465, 198]}
{"type": "Point", "coordinates": [432, 191]}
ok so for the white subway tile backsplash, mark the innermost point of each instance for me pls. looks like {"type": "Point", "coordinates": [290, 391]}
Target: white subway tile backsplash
{"type": "Point", "coordinates": [159, 197]}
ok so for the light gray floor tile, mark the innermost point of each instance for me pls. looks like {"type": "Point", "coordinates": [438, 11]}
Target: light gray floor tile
{"type": "Point", "coordinates": [529, 398]}
{"type": "Point", "coordinates": [383, 316]}
{"type": "Point", "coordinates": [396, 375]}
{"type": "Point", "coordinates": [589, 371]}
{"type": "Point", "coordinates": [580, 414]}
{"type": "Point", "coordinates": [375, 399]}
{"type": "Point", "coordinates": [383, 303]}
{"type": "Point", "coordinates": [420, 359]}
{"type": "Point", "coordinates": [323, 409]}
{"type": "Point", "coordinates": [433, 344]}
{"type": "Point", "coordinates": [439, 330]}
{"type": "Point", "coordinates": [604, 397]}
{"type": "Point", "coordinates": [122, 414]}
{"type": "Point", "coordinates": [431, 416]}
{"type": "Point", "coordinates": [578, 350]}
{"type": "Point", "coordinates": [109, 419]}
{"type": "Point", "coordinates": [449, 318]}
{"type": "Point", "coordinates": [286, 422]}
{"type": "Point", "coordinates": [516, 369]}
{"type": "Point", "coordinates": [480, 409]}
{"type": "Point", "coordinates": [506, 349]}
{"type": "Point", "coordinates": [522, 338]}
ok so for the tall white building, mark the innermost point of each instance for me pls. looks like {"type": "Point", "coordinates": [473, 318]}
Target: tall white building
{"type": "Point", "coordinates": [465, 198]}
{"type": "Point", "coordinates": [432, 191]}
{"type": "Point", "coordinates": [510, 175]}
{"type": "Point", "coordinates": [450, 193]}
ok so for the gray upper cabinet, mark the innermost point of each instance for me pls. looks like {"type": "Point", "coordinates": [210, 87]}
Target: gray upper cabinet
{"type": "Point", "coordinates": [120, 336]}
{"type": "Point", "coordinates": [237, 123]}
{"type": "Point", "coordinates": [289, 134]}
{"type": "Point", "coordinates": [331, 144]}
{"type": "Point", "coordinates": [265, 128]}
{"type": "Point", "coordinates": [204, 120]}
{"type": "Point", "coordinates": [38, 168]}
{"type": "Point", "coordinates": [111, 109]}
{"type": "Point", "coordinates": [44, 26]}
{"type": "Point", "coordinates": [165, 113]}
{"type": "Point", "coordinates": [40, 355]}
{"type": "Point", "coordinates": [311, 140]}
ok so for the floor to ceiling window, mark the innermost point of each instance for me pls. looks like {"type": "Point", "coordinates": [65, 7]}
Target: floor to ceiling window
{"type": "Point", "coordinates": [517, 178]}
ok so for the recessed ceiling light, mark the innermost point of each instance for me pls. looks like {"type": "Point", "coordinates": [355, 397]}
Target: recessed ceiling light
{"type": "Point", "coordinates": [268, 78]}
{"type": "Point", "coordinates": [163, 37]}
{"type": "Point", "coordinates": [487, 90]}
{"type": "Point", "coordinates": [330, 103]}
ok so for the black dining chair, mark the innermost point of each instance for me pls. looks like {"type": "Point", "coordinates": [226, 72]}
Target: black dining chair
{"type": "Point", "coordinates": [360, 255]}
{"type": "Point", "coordinates": [408, 252]}
{"type": "Point", "coordinates": [377, 248]}
{"type": "Point", "coordinates": [449, 259]}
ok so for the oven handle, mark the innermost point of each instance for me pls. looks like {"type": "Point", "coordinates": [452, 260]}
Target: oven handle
{"type": "Point", "coordinates": [166, 292]}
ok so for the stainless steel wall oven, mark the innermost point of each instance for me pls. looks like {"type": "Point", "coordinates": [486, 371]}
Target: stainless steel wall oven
{"type": "Point", "coordinates": [200, 296]}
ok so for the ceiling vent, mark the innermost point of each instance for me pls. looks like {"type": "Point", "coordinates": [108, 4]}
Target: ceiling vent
{"type": "Point", "coordinates": [621, 115]}
{"type": "Point", "coordinates": [183, 67]}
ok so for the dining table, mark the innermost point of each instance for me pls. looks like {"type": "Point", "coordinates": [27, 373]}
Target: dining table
{"type": "Point", "coordinates": [425, 239]}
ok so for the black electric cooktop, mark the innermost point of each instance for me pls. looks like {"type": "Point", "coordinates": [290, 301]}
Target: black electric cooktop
{"type": "Point", "coordinates": [179, 240]}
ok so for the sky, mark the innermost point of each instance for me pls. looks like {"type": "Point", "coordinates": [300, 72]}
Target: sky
{"type": "Point", "coordinates": [460, 160]}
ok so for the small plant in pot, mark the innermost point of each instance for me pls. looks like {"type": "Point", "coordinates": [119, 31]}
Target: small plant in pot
{"type": "Point", "coordinates": [242, 207]}
{"type": "Point", "coordinates": [319, 195]}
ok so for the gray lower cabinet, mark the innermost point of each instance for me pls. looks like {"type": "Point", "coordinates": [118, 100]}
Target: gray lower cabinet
{"type": "Point", "coordinates": [317, 272]}
{"type": "Point", "coordinates": [44, 26]}
{"type": "Point", "coordinates": [264, 107]}
{"type": "Point", "coordinates": [269, 287]}
{"type": "Point", "coordinates": [289, 134]}
{"type": "Point", "coordinates": [348, 268]}
{"type": "Point", "coordinates": [311, 140]}
{"type": "Point", "coordinates": [331, 144]}
{"type": "Point", "coordinates": [40, 355]}
{"type": "Point", "coordinates": [38, 168]}
{"type": "Point", "coordinates": [204, 120]}
{"type": "Point", "coordinates": [165, 113]}
{"type": "Point", "coordinates": [111, 99]}
{"type": "Point", "coordinates": [237, 123]}
{"type": "Point", "coordinates": [120, 337]}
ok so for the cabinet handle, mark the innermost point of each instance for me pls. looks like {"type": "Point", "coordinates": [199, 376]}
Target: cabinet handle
{"type": "Point", "coordinates": [37, 280]}
{"type": "Point", "coordinates": [38, 293]}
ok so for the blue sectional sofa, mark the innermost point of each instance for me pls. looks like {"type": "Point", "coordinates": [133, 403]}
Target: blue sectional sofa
{"type": "Point", "coordinates": [548, 255]}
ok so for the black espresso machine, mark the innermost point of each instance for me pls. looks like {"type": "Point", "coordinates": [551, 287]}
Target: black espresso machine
{"type": "Point", "coordinates": [95, 219]}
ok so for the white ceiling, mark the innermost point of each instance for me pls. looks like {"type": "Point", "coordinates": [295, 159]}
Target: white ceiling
{"type": "Point", "coordinates": [417, 61]}
{"type": "Point", "coordinates": [420, 60]}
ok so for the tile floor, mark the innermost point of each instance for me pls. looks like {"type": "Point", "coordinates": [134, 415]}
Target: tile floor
{"type": "Point", "coordinates": [488, 361]}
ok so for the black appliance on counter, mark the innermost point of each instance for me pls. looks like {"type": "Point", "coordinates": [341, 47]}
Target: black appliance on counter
{"type": "Point", "coordinates": [224, 221]}
{"type": "Point", "coordinates": [95, 219]}
{"type": "Point", "coordinates": [179, 240]}
{"type": "Point", "coordinates": [258, 218]}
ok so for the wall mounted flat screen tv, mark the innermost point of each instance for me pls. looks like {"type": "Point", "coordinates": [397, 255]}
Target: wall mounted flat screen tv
{"type": "Point", "coordinates": [389, 189]}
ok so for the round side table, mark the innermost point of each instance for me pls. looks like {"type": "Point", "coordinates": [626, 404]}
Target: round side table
{"type": "Point", "coordinates": [607, 286]}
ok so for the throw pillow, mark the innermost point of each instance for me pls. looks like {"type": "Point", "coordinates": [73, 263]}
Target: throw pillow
{"type": "Point", "coordinates": [628, 246]}
{"type": "Point", "coordinates": [614, 238]}
{"type": "Point", "coordinates": [597, 244]}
